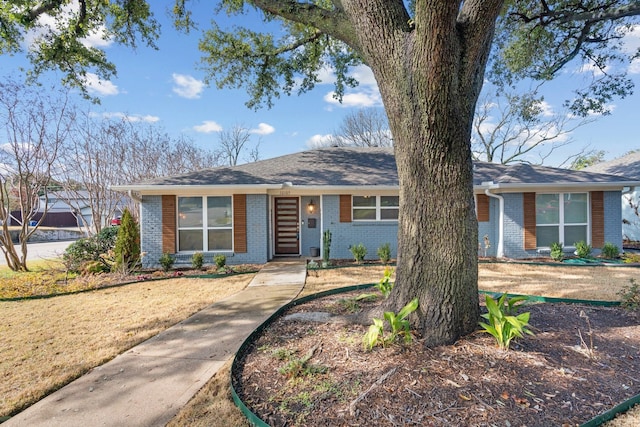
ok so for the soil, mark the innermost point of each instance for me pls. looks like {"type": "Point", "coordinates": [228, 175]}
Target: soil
{"type": "Point", "coordinates": [582, 361]}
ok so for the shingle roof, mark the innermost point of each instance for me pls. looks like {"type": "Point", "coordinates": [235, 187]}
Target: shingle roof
{"type": "Point", "coordinates": [329, 166]}
{"type": "Point", "coordinates": [627, 166]}
{"type": "Point", "coordinates": [355, 166]}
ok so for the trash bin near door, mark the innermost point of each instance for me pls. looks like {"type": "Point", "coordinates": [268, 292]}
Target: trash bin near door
{"type": "Point", "coordinates": [315, 252]}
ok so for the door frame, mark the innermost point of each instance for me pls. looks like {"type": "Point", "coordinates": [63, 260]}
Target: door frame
{"type": "Point", "coordinates": [274, 227]}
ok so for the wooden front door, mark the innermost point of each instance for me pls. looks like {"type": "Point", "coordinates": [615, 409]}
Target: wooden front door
{"type": "Point", "coordinates": [287, 229]}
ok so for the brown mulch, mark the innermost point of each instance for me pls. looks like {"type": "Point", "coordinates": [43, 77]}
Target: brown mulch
{"type": "Point", "coordinates": [582, 361]}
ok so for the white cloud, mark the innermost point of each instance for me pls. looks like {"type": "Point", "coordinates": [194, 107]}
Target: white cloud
{"type": "Point", "coordinates": [356, 99]}
{"type": "Point", "coordinates": [263, 129]}
{"type": "Point", "coordinates": [634, 67]}
{"type": "Point", "coordinates": [132, 118]}
{"type": "Point", "coordinates": [366, 94]}
{"type": "Point", "coordinates": [546, 108]}
{"type": "Point", "coordinates": [94, 84]}
{"type": "Point", "coordinates": [208, 126]}
{"type": "Point", "coordinates": [187, 86]}
{"type": "Point", "coordinates": [319, 141]}
{"type": "Point", "coordinates": [47, 24]}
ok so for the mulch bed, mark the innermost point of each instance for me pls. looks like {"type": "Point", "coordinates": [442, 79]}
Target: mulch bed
{"type": "Point", "coordinates": [582, 361]}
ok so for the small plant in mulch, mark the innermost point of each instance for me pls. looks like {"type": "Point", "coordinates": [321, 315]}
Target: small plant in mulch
{"type": "Point", "coordinates": [220, 261]}
{"type": "Point", "coordinates": [384, 286]}
{"type": "Point", "coordinates": [299, 366]}
{"type": "Point", "coordinates": [630, 296]}
{"type": "Point", "coordinates": [610, 251]}
{"type": "Point", "coordinates": [557, 251]}
{"type": "Point", "coordinates": [398, 325]}
{"type": "Point", "coordinates": [358, 251]}
{"type": "Point", "coordinates": [583, 250]}
{"type": "Point", "coordinates": [502, 322]}
{"type": "Point", "coordinates": [384, 253]}
{"type": "Point", "coordinates": [197, 260]}
{"type": "Point", "coordinates": [166, 261]}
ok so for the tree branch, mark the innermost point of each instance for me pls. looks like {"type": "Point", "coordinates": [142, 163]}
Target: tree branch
{"type": "Point", "coordinates": [332, 22]}
{"type": "Point", "coordinates": [596, 14]}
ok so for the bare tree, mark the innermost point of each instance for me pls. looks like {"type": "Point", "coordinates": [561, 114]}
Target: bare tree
{"type": "Point", "coordinates": [106, 153]}
{"type": "Point", "coordinates": [146, 151]}
{"type": "Point", "coordinates": [367, 127]}
{"type": "Point", "coordinates": [510, 128]}
{"type": "Point", "coordinates": [233, 142]}
{"type": "Point", "coordinates": [86, 172]}
{"type": "Point", "coordinates": [36, 123]}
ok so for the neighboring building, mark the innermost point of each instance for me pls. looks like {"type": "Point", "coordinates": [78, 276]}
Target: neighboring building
{"type": "Point", "coordinates": [627, 166]}
{"type": "Point", "coordinates": [281, 207]}
{"type": "Point", "coordinates": [69, 209]}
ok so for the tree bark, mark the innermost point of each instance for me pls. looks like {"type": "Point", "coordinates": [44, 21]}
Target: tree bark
{"type": "Point", "coordinates": [430, 79]}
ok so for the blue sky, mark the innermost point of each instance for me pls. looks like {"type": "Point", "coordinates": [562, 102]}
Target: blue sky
{"type": "Point", "coordinates": [165, 87]}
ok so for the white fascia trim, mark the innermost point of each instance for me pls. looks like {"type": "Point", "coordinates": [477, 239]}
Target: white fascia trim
{"type": "Point", "coordinates": [557, 186]}
{"type": "Point", "coordinates": [197, 189]}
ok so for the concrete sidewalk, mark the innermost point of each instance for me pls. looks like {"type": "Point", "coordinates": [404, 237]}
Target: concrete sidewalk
{"type": "Point", "coordinates": [147, 385]}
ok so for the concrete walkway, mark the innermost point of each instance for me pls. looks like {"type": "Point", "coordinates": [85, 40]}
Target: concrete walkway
{"type": "Point", "coordinates": [147, 385]}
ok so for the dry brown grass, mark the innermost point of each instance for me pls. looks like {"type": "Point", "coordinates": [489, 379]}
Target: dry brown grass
{"type": "Point", "coordinates": [51, 341]}
{"type": "Point", "coordinates": [48, 342]}
{"type": "Point", "coordinates": [575, 282]}
{"type": "Point", "coordinates": [562, 282]}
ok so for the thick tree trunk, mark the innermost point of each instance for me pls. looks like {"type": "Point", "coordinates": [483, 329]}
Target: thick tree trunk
{"type": "Point", "coordinates": [429, 71]}
{"type": "Point", "coordinates": [437, 233]}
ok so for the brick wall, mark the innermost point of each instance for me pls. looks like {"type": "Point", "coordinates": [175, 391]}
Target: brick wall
{"type": "Point", "coordinates": [151, 230]}
{"type": "Point", "coordinates": [343, 234]}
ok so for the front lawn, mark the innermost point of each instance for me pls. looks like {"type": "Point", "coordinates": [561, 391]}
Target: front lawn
{"type": "Point", "coordinates": [48, 342]}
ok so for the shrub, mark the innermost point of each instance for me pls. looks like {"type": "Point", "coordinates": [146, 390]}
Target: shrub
{"type": "Point", "coordinates": [557, 253]}
{"type": "Point", "coordinates": [358, 251]}
{"type": "Point", "coordinates": [88, 249]}
{"type": "Point", "coordinates": [127, 249]}
{"type": "Point", "coordinates": [220, 260]}
{"type": "Point", "coordinates": [630, 258]}
{"type": "Point", "coordinates": [384, 253]}
{"type": "Point", "coordinates": [630, 296]}
{"type": "Point", "coordinates": [610, 251]}
{"type": "Point", "coordinates": [503, 324]}
{"type": "Point", "coordinates": [582, 249]}
{"type": "Point", "coordinates": [197, 259]}
{"type": "Point", "coordinates": [166, 261]}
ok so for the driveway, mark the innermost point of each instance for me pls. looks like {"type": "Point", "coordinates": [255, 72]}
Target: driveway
{"type": "Point", "coordinates": [42, 250]}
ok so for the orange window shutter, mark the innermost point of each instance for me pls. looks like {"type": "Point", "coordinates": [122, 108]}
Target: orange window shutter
{"type": "Point", "coordinates": [345, 208]}
{"type": "Point", "coordinates": [529, 211]}
{"type": "Point", "coordinates": [169, 224]}
{"type": "Point", "coordinates": [597, 219]}
{"type": "Point", "coordinates": [482, 207]}
{"type": "Point", "coordinates": [240, 223]}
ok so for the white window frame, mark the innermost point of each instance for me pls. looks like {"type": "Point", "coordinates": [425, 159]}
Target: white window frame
{"type": "Point", "coordinates": [205, 226]}
{"type": "Point", "coordinates": [561, 223]}
{"type": "Point", "coordinates": [378, 208]}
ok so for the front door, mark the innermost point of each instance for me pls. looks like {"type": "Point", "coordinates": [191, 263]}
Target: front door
{"type": "Point", "coordinates": [287, 229]}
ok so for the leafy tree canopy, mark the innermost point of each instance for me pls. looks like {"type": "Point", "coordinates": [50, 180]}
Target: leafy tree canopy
{"type": "Point", "coordinates": [56, 34]}
{"type": "Point", "coordinates": [534, 39]}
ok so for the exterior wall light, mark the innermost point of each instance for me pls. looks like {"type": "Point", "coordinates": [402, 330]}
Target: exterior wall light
{"type": "Point", "coordinates": [311, 207]}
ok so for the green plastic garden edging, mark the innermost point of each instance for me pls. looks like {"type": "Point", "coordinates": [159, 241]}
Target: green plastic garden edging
{"type": "Point", "coordinates": [256, 421]}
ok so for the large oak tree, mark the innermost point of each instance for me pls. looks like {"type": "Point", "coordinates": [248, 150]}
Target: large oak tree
{"type": "Point", "coordinates": [429, 59]}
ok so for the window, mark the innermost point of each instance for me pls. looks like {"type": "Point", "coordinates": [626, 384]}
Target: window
{"type": "Point", "coordinates": [201, 229]}
{"type": "Point", "coordinates": [375, 208]}
{"type": "Point", "coordinates": [561, 217]}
